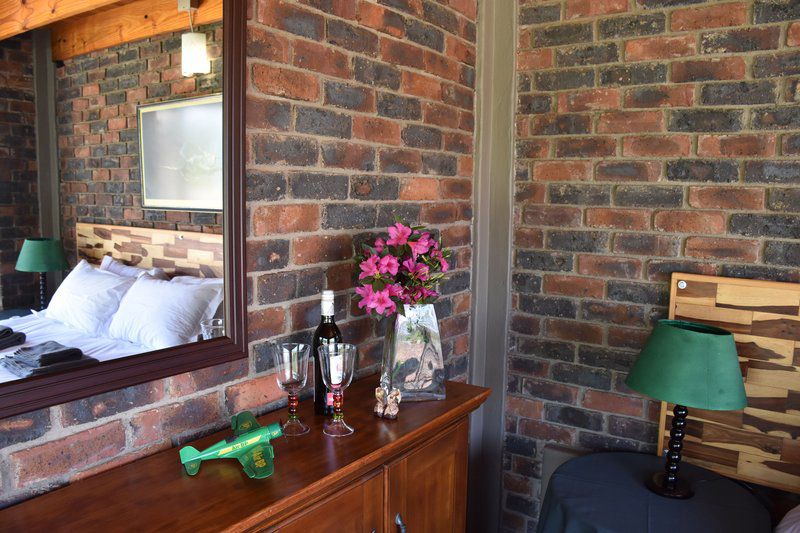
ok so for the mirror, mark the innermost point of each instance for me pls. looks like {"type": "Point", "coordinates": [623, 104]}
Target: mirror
{"type": "Point", "coordinates": [122, 156]}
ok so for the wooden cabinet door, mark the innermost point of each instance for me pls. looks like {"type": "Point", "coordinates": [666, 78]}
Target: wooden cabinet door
{"type": "Point", "coordinates": [357, 508]}
{"type": "Point", "coordinates": [428, 487]}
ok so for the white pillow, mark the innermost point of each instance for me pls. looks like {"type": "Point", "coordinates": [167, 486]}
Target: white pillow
{"type": "Point", "coordinates": [214, 309]}
{"type": "Point", "coordinates": [88, 298]}
{"type": "Point", "coordinates": [160, 314]}
{"type": "Point", "coordinates": [121, 269]}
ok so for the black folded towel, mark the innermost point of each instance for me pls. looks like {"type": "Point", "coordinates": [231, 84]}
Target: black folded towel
{"type": "Point", "coordinates": [22, 370]}
{"type": "Point", "coordinates": [5, 331]}
{"type": "Point", "coordinates": [15, 339]}
{"type": "Point", "coordinates": [46, 353]}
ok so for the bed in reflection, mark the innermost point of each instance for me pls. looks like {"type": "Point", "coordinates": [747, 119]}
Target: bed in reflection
{"type": "Point", "coordinates": [134, 290]}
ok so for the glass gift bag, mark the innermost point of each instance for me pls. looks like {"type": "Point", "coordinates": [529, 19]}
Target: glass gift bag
{"type": "Point", "coordinates": [412, 355]}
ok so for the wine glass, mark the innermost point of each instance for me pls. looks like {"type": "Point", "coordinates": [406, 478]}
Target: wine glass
{"type": "Point", "coordinates": [291, 363]}
{"type": "Point", "coordinates": [337, 361]}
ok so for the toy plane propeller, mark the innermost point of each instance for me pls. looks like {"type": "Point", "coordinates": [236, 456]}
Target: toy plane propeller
{"type": "Point", "coordinates": [250, 444]}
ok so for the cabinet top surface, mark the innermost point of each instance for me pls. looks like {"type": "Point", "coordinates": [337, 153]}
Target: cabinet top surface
{"type": "Point", "coordinates": [155, 493]}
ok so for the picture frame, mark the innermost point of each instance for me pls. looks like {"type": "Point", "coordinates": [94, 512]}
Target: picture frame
{"type": "Point", "coordinates": [181, 154]}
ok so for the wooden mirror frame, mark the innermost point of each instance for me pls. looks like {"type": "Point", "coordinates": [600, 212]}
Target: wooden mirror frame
{"type": "Point", "coordinates": [29, 394]}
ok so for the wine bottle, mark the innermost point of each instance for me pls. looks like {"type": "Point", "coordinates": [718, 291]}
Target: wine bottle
{"type": "Point", "coordinates": [327, 332]}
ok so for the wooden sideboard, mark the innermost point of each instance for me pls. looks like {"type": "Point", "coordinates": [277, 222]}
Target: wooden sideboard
{"type": "Point", "coordinates": [414, 468]}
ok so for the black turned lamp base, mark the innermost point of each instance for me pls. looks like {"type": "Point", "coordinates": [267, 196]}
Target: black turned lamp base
{"type": "Point", "coordinates": [681, 491]}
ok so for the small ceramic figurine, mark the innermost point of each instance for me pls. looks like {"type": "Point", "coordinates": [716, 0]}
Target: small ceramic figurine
{"type": "Point", "coordinates": [380, 402]}
{"type": "Point", "coordinates": [392, 405]}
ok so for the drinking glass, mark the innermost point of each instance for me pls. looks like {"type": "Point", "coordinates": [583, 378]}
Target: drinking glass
{"type": "Point", "coordinates": [338, 362]}
{"type": "Point", "coordinates": [212, 328]}
{"type": "Point", "coordinates": [291, 363]}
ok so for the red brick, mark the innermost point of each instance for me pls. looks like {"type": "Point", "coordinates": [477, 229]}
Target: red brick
{"type": "Point", "coordinates": [659, 48]}
{"type": "Point", "coordinates": [441, 213]}
{"type": "Point", "coordinates": [609, 267]}
{"type": "Point", "coordinates": [630, 122]}
{"type": "Point", "coordinates": [441, 66]}
{"type": "Point", "coordinates": [156, 425]}
{"type": "Point", "coordinates": [457, 49]}
{"type": "Point", "coordinates": [456, 189]}
{"type": "Point", "coordinates": [660, 96]}
{"type": "Point", "coordinates": [468, 8]}
{"type": "Point", "coordinates": [562, 171]}
{"type": "Point", "coordinates": [590, 100]}
{"type": "Point", "coordinates": [281, 219]}
{"type": "Point", "coordinates": [550, 215]}
{"type": "Point", "coordinates": [321, 58]}
{"type": "Point", "coordinates": [533, 148]}
{"type": "Point", "coordinates": [714, 16]}
{"type": "Point", "coordinates": [615, 218]}
{"type": "Point", "coordinates": [421, 85]}
{"type": "Point", "coordinates": [340, 276]}
{"type": "Point", "coordinates": [252, 394]}
{"type": "Point", "coordinates": [322, 249]}
{"type": "Point", "coordinates": [440, 115]}
{"type": "Point", "coordinates": [400, 161]}
{"type": "Point", "coordinates": [341, 8]}
{"type": "Point", "coordinates": [622, 337]}
{"type": "Point", "coordinates": [591, 8]}
{"type": "Point", "coordinates": [376, 129]}
{"type": "Point", "coordinates": [608, 402]}
{"type": "Point", "coordinates": [657, 146]}
{"type": "Point", "coordinates": [547, 431]}
{"type": "Point", "coordinates": [573, 286]}
{"type": "Point", "coordinates": [529, 192]}
{"type": "Point", "coordinates": [279, 81]}
{"type": "Point", "coordinates": [456, 236]}
{"type": "Point", "coordinates": [191, 382]}
{"type": "Point", "coordinates": [265, 323]}
{"type": "Point", "coordinates": [419, 189]}
{"type": "Point", "coordinates": [517, 483]}
{"type": "Point", "coordinates": [703, 222]}
{"type": "Point", "coordinates": [378, 18]}
{"type": "Point", "coordinates": [728, 68]}
{"type": "Point", "coordinates": [733, 197]}
{"type": "Point", "coordinates": [528, 238]}
{"type": "Point", "coordinates": [402, 53]}
{"type": "Point", "coordinates": [736, 145]}
{"type": "Point", "coordinates": [727, 249]}
{"type": "Point", "coordinates": [570, 330]}
{"type": "Point", "coordinates": [524, 407]}
{"type": "Point", "coordinates": [793, 36]}
{"type": "Point", "coordinates": [534, 59]}
{"type": "Point", "coordinates": [60, 457]}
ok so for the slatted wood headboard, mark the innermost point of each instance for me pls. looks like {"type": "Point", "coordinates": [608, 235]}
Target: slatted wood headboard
{"type": "Point", "coordinates": [177, 252]}
{"type": "Point", "coordinates": [760, 443]}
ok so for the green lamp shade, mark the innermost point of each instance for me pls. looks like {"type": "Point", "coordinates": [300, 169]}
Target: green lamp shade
{"type": "Point", "coordinates": [41, 255]}
{"type": "Point", "coordinates": [690, 364]}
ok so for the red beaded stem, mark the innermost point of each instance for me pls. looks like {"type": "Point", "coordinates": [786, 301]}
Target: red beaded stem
{"type": "Point", "coordinates": [337, 403]}
{"type": "Point", "coordinates": [293, 403]}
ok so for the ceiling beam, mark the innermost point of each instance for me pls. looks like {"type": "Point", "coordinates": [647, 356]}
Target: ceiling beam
{"type": "Point", "coordinates": [19, 16]}
{"type": "Point", "coordinates": [126, 23]}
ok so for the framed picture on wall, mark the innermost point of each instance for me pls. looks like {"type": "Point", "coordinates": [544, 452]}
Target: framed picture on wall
{"type": "Point", "coordinates": [180, 154]}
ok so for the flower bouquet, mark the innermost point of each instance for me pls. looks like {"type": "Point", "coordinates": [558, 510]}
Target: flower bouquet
{"type": "Point", "coordinates": [398, 279]}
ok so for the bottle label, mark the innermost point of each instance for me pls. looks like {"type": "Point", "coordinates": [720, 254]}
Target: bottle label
{"type": "Point", "coordinates": [327, 308]}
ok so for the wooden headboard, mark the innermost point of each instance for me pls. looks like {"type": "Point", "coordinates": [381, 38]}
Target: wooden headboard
{"type": "Point", "coordinates": [177, 252]}
{"type": "Point", "coordinates": [760, 443]}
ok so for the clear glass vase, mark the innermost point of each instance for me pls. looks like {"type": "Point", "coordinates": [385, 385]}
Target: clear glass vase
{"type": "Point", "coordinates": [412, 355]}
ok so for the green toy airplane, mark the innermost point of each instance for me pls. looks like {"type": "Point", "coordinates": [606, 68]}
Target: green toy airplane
{"type": "Point", "coordinates": [249, 444]}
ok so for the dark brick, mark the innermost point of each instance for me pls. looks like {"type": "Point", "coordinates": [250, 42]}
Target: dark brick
{"type": "Point", "coordinates": [276, 287]}
{"type": "Point", "coordinates": [526, 366]}
{"type": "Point", "coordinates": [270, 150]}
{"type": "Point", "coordinates": [648, 196]}
{"type": "Point", "coordinates": [609, 359]}
{"type": "Point", "coordinates": [567, 33]}
{"type": "Point", "coordinates": [786, 200]}
{"type": "Point", "coordinates": [425, 35]}
{"type": "Point", "coordinates": [772, 172]}
{"type": "Point", "coordinates": [535, 260]}
{"type": "Point", "coordinates": [641, 293]}
{"type": "Point", "coordinates": [602, 442]}
{"type": "Point", "coordinates": [585, 376]}
{"type": "Point", "coordinates": [350, 216]}
{"type": "Point", "coordinates": [766, 11]}
{"type": "Point", "coordinates": [791, 144]}
{"type": "Point", "coordinates": [345, 155]}
{"type": "Point", "coordinates": [761, 272]}
{"type": "Point", "coordinates": [439, 164]}
{"type": "Point", "coordinates": [782, 253]}
{"type": "Point", "coordinates": [593, 54]}
{"type": "Point", "coordinates": [375, 73]}
{"type": "Point", "coordinates": [520, 445]}
{"type": "Point", "coordinates": [417, 136]}
{"type": "Point", "coordinates": [632, 428]}
{"type": "Point", "coordinates": [780, 226]}
{"type": "Point", "coordinates": [388, 214]}
{"type": "Point", "coordinates": [623, 171]}
{"type": "Point", "coordinates": [25, 427]}
{"type": "Point", "coordinates": [560, 351]}
{"type": "Point", "coordinates": [539, 14]}
{"type": "Point", "coordinates": [702, 170]}
{"type": "Point", "coordinates": [740, 40]}
{"type": "Point", "coordinates": [628, 26]}
{"type": "Point", "coordinates": [317, 186]}
{"type": "Point", "coordinates": [656, 4]}
{"type": "Point", "coordinates": [548, 306]}
{"type": "Point", "coordinates": [453, 283]}
{"type": "Point", "coordinates": [298, 21]}
{"type": "Point", "coordinates": [579, 194]}
{"type": "Point", "coordinates": [401, 107]}
{"type": "Point", "coordinates": [577, 241]}
{"type": "Point", "coordinates": [526, 282]}
{"type": "Point", "coordinates": [438, 15]}
{"type": "Point", "coordinates": [704, 120]}
{"type": "Point", "coordinates": [565, 124]}
{"type": "Point", "coordinates": [573, 416]}
{"type": "Point", "coordinates": [262, 186]}
{"type": "Point", "coordinates": [776, 118]}
{"type": "Point", "coordinates": [586, 147]}
{"type": "Point", "coordinates": [612, 313]}
{"type": "Point", "coordinates": [772, 65]}
{"type": "Point", "coordinates": [323, 122]}
{"type": "Point", "coordinates": [633, 74]}
{"type": "Point", "coordinates": [644, 244]}
{"type": "Point", "coordinates": [347, 96]}
{"type": "Point", "coordinates": [739, 93]}
{"type": "Point", "coordinates": [556, 80]}
{"type": "Point", "coordinates": [352, 37]}
{"type": "Point", "coordinates": [374, 187]}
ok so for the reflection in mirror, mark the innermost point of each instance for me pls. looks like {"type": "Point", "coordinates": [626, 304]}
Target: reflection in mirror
{"type": "Point", "coordinates": [112, 146]}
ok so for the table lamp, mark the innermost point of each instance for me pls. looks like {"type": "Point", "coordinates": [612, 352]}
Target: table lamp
{"type": "Point", "coordinates": [689, 365]}
{"type": "Point", "coordinates": [41, 255]}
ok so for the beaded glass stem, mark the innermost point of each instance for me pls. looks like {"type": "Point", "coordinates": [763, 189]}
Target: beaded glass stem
{"type": "Point", "coordinates": [291, 365]}
{"type": "Point", "coordinates": [338, 362]}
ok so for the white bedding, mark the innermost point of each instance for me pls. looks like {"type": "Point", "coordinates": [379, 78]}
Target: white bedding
{"type": "Point", "coordinates": [38, 328]}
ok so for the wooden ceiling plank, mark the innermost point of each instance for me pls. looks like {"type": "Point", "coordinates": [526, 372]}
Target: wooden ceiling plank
{"type": "Point", "coordinates": [19, 16]}
{"type": "Point", "coordinates": [126, 23]}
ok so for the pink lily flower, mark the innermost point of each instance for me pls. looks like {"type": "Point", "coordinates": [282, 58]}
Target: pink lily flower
{"type": "Point", "coordinates": [416, 270]}
{"type": "Point", "coordinates": [398, 235]}
{"type": "Point", "coordinates": [422, 245]}
{"type": "Point", "coordinates": [379, 244]}
{"type": "Point", "coordinates": [367, 297]}
{"type": "Point", "coordinates": [388, 264]}
{"type": "Point", "coordinates": [384, 304]}
{"type": "Point", "coordinates": [369, 267]}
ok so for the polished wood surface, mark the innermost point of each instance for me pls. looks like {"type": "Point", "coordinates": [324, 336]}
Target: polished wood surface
{"type": "Point", "coordinates": [155, 493]}
{"type": "Point", "coordinates": [125, 23]}
{"type": "Point", "coordinates": [19, 16]}
{"type": "Point", "coordinates": [758, 443]}
{"type": "Point", "coordinates": [178, 253]}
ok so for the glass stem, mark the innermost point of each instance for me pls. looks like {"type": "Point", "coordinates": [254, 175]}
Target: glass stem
{"type": "Point", "coordinates": [338, 400]}
{"type": "Point", "coordinates": [293, 402]}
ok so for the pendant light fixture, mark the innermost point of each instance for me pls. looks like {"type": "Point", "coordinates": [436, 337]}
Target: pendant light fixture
{"type": "Point", "coordinates": [194, 52]}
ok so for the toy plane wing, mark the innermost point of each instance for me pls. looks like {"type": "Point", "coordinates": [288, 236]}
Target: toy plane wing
{"type": "Point", "coordinates": [244, 422]}
{"type": "Point", "coordinates": [257, 461]}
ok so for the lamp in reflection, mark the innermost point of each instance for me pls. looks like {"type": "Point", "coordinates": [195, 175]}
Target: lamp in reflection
{"type": "Point", "coordinates": [41, 255]}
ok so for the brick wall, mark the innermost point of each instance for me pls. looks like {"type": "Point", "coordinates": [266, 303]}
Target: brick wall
{"type": "Point", "coordinates": [98, 139]}
{"type": "Point", "coordinates": [357, 111]}
{"type": "Point", "coordinates": [652, 136]}
{"type": "Point", "coordinates": [19, 213]}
